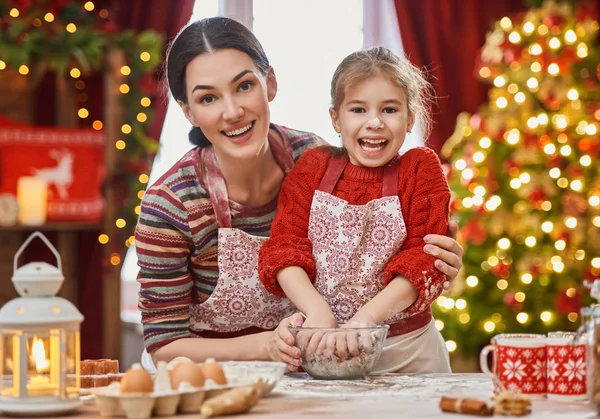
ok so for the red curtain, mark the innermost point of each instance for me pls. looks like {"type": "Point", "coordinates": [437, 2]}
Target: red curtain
{"type": "Point", "coordinates": [166, 17]}
{"type": "Point", "coordinates": [445, 37]}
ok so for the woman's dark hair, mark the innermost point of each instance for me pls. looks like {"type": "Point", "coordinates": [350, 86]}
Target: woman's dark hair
{"type": "Point", "coordinates": [206, 36]}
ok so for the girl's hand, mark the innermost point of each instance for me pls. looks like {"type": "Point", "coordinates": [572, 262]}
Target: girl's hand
{"type": "Point", "coordinates": [447, 251]}
{"type": "Point", "coordinates": [280, 343]}
{"type": "Point", "coordinates": [310, 340]}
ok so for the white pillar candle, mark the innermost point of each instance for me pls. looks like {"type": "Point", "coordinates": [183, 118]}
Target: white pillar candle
{"type": "Point", "coordinates": [32, 197]}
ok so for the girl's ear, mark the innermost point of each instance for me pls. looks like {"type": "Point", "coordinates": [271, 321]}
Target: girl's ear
{"type": "Point", "coordinates": [335, 120]}
{"type": "Point", "coordinates": [411, 123]}
{"type": "Point", "coordinates": [186, 111]}
{"type": "Point", "coordinates": [271, 84]}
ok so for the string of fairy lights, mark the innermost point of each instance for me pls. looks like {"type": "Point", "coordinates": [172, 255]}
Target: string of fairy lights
{"type": "Point", "coordinates": [141, 114]}
{"type": "Point", "coordinates": [539, 49]}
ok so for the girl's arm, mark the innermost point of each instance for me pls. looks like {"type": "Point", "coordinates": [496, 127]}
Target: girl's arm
{"type": "Point", "coordinates": [396, 297]}
{"type": "Point", "coordinates": [297, 286]}
{"type": "Point", "coordinates": [286, 265]}
{"type": "Point", "coordinates": [288, 245]}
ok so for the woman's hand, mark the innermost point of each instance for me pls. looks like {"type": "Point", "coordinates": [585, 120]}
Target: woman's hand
{"type": "Point", "coordinates": [447, 251]}
{"type": "Point", "coordinates": [280, 343]}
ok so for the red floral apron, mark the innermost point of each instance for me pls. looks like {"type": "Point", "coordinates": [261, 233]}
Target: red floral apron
{"type": "Point", "coordinates": [239, 300]}
{"type": "Point", "coordinates": [352, 245]}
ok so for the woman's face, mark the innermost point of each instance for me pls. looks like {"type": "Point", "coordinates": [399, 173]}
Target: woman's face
{"type": "Point", "coordinates": [228, 99]}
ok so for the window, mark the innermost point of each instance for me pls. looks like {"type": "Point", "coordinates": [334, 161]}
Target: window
{"type": "Point", "coordinates": [305, 41]}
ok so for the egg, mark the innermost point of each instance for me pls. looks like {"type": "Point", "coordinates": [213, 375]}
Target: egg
{"type": "Point", "coordinates": [136, 380]}
{"type": "Point", "coordinates": [213, 371]}
{"type": "Point", "coordinates": [176, 361]}
{"type": "Point", "coordinates": [188, 372]}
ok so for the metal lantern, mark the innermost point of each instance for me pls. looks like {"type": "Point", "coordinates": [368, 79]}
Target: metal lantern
{"type": "Point", "coordinates": [39, 342]}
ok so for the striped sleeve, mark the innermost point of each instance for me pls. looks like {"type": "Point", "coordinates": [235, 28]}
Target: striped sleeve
{"type": "Point", "coordinates": [163, 245]}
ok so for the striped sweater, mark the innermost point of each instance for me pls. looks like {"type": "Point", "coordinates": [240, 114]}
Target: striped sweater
{"type": "Point", "coordinates": [176, 242]}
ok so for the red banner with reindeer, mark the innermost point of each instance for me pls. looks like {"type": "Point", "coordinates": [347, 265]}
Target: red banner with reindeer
{"type": "Point", "coordinates": [71, 160]}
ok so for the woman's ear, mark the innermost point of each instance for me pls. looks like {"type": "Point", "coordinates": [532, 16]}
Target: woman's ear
{"type": "Point", "coordinates": [335, 120]}
{"type": "Point", "coordinates": [186, 111]}
{"type": "Point", "coordinates": [271, 84]}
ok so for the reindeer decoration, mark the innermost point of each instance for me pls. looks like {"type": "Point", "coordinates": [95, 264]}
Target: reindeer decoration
{"type": "Point", "coordinates": [60, 175]}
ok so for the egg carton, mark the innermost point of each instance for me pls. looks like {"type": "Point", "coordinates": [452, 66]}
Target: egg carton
{"type": "Point", "coordinates": [112, 403]}
{"type": "Point", "coordinates": [264, 375]}
{"type": "Point", "coordinates": [187, 399]}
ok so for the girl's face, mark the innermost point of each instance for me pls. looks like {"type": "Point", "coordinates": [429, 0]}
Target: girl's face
{"type": "Point", "coordinates": [228, 99]}
{"type": "Point", "coordinates": [373, 120]}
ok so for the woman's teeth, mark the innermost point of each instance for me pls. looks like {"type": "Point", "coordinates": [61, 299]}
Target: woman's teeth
{"type": "Point", "coordinates": [371, 144]}
{"type": "Point", "coordinates": [238, 131]}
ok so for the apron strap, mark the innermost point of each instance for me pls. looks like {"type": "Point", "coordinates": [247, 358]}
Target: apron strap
{"type": "Point", "coordinates": [338, 164]}
{"type": "Point", "coordinates": [217, 189]}
{"type": "Point", "coordinates": [390, 178]}
{"type": "Point", "coordinates": [283, 153]}
{"type": "Point", "coordinates": [334, 171]}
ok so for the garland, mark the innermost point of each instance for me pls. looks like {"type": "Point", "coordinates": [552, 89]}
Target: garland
{"type": "Point", "coordinates": [72, 38]}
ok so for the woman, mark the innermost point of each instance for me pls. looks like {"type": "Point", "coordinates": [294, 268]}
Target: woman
{"type": "Point", "coordinates": [203, 222]}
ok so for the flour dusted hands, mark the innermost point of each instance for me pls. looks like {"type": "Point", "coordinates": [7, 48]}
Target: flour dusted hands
{"type": "Point", "coordinates": [322, 318]}
{"type": "Point", "coordinates": [348, 343]}
{"type": "Point", "coordinates": [280, 343]}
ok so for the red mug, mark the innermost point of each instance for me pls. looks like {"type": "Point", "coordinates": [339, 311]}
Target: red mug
{"type": "Point", "coordinates": [566, 367]}
{"type": "Point", "coordinates": [519, 363]}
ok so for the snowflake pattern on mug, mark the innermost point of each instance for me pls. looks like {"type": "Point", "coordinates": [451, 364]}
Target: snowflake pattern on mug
{"type": "Point", "coordinates": [566, 370]}
{"type": "Point", "coordinates": [522, 368]}
{"type": "Point", "coordinates": [514, 369]}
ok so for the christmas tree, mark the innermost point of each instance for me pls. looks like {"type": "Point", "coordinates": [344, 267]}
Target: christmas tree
{"type": "Point", "coordinates": [526, 180]}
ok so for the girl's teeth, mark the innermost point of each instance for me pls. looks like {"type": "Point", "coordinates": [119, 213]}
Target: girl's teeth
{"type": "Point", "coordinates": [374, 141]}
{"type": "Point", "coordinates": [372, 144]}
{"type": "Point", "coordinates": [239, 130]}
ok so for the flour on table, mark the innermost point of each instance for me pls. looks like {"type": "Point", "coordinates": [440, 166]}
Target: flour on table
{"type": "Point", "coordinates": [413, 387]}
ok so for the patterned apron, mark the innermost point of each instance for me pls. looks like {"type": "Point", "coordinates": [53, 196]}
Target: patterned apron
{"type": "Point", "coordinates": [239, 300]}
{"type": "Point", "coordinates": [352, 245]}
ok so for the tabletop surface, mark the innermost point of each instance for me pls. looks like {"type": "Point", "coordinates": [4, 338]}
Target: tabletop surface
{"type": "Point", "coordinates": [384, 396]}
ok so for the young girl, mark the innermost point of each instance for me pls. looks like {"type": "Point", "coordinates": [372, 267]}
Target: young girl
{"type": "Point", "coordinates": [346, 244]}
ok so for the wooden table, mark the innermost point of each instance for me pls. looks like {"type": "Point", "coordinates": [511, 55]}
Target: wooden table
{"type": "Point", "coordinates": [386, 396]}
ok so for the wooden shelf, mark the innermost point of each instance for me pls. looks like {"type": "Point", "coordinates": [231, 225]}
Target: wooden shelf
{"type": "Point", "coordinates": [54, 227]}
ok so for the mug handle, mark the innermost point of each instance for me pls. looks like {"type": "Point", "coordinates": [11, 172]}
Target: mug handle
{"type": "Point", "coordinates": [483, 360]}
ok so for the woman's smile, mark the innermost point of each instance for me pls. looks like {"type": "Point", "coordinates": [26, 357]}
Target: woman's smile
{"type": "Point", "coordinates": [240, 133]}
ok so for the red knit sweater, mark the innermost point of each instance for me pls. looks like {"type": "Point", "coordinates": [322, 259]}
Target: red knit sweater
{"type": "Point", "coordinates": [424, 199]}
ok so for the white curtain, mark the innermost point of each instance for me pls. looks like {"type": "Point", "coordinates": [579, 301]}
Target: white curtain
{"type": "Point", "coordinates": [380, 28]}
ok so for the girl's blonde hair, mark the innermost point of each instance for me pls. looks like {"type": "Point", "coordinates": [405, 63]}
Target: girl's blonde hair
{"type": "Point", "coordinates": [361, 65]}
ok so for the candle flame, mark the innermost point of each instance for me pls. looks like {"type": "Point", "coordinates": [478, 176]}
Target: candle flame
{"type": "Point", "coordinates": [38, 353]}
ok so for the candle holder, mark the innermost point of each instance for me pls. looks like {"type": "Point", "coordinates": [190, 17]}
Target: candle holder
{"type": "Point", "coordinates": [39, 342]}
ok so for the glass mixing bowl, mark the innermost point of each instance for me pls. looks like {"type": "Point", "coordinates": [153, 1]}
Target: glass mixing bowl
{"type": "Point", "coordinates": [341, 353]}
